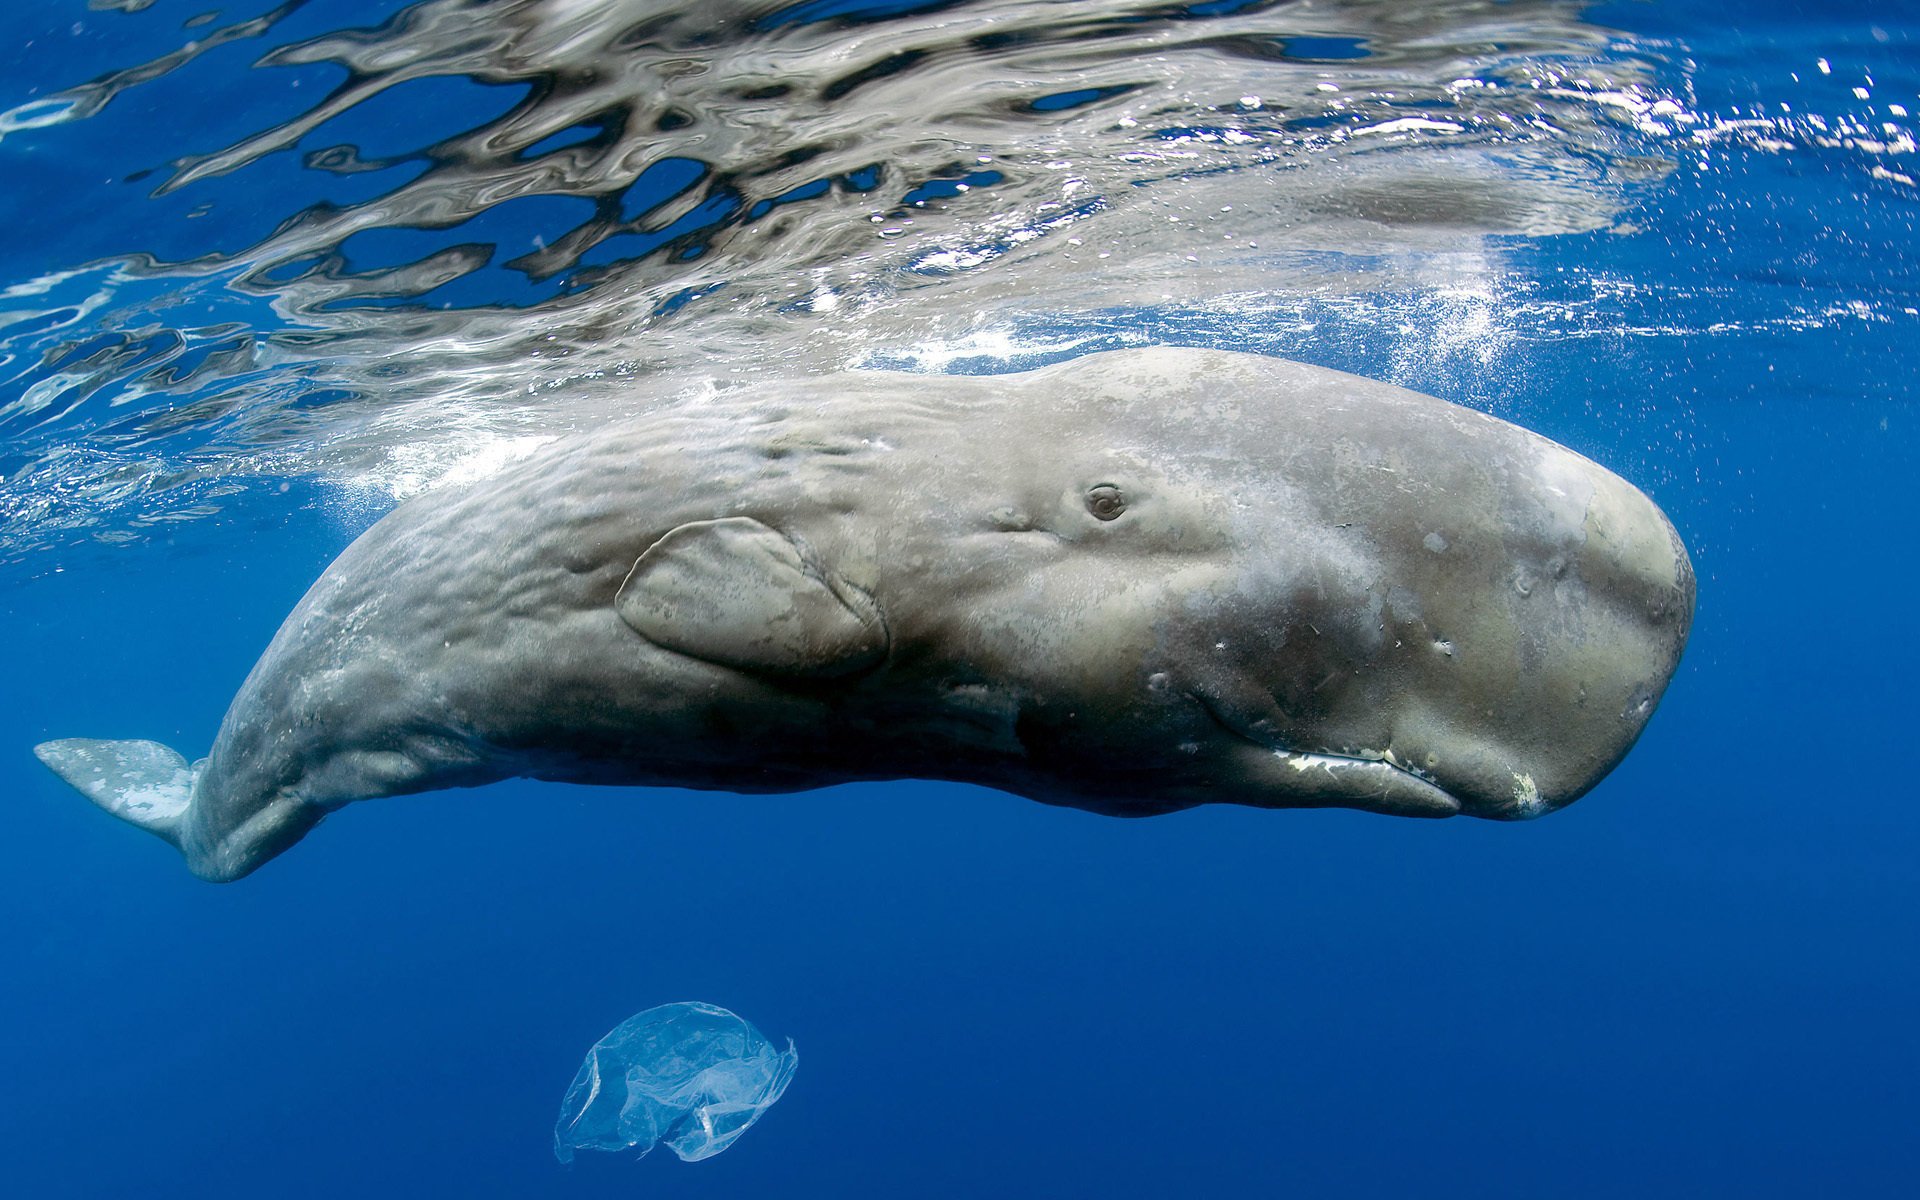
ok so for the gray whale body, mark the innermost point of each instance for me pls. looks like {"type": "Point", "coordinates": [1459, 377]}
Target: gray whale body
{"type": "Point", "coordinates": [1131, 583]}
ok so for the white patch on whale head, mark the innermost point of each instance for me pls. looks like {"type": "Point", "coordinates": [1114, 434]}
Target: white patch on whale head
{"type": "Point", "coordinates": [1526, 797]}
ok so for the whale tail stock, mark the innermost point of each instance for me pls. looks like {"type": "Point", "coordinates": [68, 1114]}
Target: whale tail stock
{"type": "Point", "coordinates": [143, 783]}
{"type": "Point", "coordinates": [183, 804]}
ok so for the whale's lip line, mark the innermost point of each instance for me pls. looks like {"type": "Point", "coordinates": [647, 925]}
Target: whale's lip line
{"type": "Point", "coordinates": [1309, 759]}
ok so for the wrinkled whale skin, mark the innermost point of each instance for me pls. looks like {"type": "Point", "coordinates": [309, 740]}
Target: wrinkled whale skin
{"type": "Point", "coordinates": [1132, 583]}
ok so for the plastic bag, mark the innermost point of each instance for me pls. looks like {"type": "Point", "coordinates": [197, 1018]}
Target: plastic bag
{"type": "Point", "coordinates": [693, 1076]}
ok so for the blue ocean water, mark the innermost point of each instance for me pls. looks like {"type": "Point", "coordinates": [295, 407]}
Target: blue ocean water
{"type": "Point", "coordinates": [1679, 241]}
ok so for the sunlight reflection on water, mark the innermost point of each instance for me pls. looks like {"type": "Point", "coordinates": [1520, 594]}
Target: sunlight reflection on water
{"type": "Point", "coordinates": [471, 227]}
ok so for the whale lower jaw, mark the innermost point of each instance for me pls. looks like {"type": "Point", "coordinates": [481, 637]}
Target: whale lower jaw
{"type": "Point", "coordinates": [1373, 784]}
{"type": "Point", "coordinates": [1282, 777]}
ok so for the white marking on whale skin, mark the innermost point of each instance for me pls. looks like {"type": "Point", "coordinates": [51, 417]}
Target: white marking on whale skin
{"type": "Point", "coordinates": [1384, 776]}
{"type": "Point", "coordinates": [166, 798]}
{"type": "Point", "coordinates": [1527, 803]}
{"type": "Point", "coordinates": [1304, 761]}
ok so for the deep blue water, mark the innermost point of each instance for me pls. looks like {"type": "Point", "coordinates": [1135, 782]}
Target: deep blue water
{"type": "Point", "coordinates": [1700, 980]}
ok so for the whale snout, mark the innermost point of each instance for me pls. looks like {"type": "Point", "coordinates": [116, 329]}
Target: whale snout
{"type": "Point", "coordinates": [1574, 642]}
{"type": "Point", "coordinates": [1493, 650]}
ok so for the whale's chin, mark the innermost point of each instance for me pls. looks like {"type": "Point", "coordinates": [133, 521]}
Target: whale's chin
{"type": "Point", "coordinates": [1275, 777]}
{"type": "Point", "coordinates": [1283, 777]}
{"type": "Point", "coordinates": [1374, 784]}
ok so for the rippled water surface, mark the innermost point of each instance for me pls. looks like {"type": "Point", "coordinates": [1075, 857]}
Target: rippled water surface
{"type": "Point", "coordinates": [372, 242]}
{"type": "Point", "coordinates": [266, 269]}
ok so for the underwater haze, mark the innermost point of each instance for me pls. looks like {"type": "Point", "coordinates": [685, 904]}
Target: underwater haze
{"type": "Point", "coordinates": [267, 270]}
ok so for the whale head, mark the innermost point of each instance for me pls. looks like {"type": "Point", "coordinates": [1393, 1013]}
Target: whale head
{"type": "Point", "coordinates": [1214, 577]}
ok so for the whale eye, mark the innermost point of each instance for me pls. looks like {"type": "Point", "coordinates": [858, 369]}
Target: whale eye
{"type": "Point", "coordinates": [1106, 502]}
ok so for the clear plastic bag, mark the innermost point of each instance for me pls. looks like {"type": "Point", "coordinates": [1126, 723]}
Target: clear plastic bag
{"type": "Point", "coordinates": [691, 1076]}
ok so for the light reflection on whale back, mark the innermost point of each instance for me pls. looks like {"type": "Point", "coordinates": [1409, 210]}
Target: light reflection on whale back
{"type": "Point", "coordinates": [471, 209]}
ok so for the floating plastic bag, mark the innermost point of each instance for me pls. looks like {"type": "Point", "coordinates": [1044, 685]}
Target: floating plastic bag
{"type": "Point", "coordinates": [691, 1075]}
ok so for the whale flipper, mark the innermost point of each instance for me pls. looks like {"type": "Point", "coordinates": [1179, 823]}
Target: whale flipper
{"type": "Point", "coordinates": [741, 594]}
{"type": "Point", "coordinates": [143, 783]}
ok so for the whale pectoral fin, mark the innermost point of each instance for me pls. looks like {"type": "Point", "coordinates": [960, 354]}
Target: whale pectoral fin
{"type": "Point", "coordinates": [740, 594]}
{"type": "Point", "coordinates": [142, 783]}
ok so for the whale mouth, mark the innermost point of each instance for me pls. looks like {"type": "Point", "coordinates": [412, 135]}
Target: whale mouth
{"type": "Point", "coordinates": [1374, 782]}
